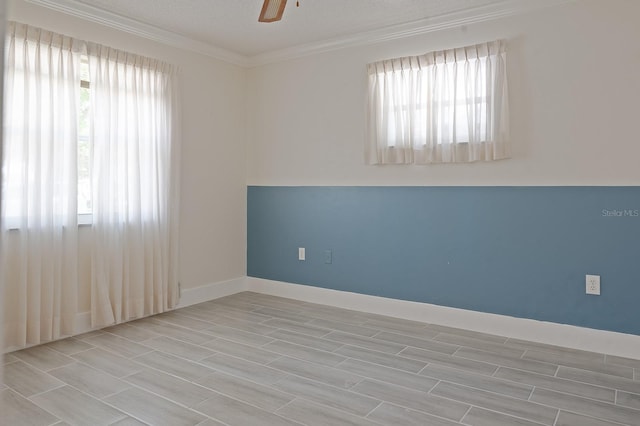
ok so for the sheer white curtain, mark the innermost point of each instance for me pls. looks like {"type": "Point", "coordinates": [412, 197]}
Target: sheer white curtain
{"type": "Point", "coordinates": [136, 153]}
{"type": "Point", "coordinates": [39, 205]}
{"type": "Point", "coordinates": [449, 106]}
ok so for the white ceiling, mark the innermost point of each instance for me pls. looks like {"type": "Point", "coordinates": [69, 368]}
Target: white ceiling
{"type": "Point", "coordinates": [230, 27]}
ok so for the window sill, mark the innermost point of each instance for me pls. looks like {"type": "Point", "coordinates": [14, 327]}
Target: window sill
{"type": "Point", "coordinates": [84, 220]}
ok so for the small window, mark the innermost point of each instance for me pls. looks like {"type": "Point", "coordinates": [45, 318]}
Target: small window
{"type": "Point", "coordinates": [442, 107]}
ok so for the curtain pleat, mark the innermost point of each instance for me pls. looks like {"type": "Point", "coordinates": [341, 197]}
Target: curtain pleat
{"type": "Point", "coordinates": [135, 158]}
{"type": "Point", "coordinates": [39, 208]}
{"type": "Point", "coordinates": [135, 190]}
{"type": "Point", "coordinates": [448, 106]}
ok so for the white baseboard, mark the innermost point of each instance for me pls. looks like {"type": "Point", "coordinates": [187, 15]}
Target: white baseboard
{"type": "Point", "coordinates": [619, 344]}
{"type": "Point", "coordinates": [192, 296]}
{"type": "Point", "coordinates": [189, 296]}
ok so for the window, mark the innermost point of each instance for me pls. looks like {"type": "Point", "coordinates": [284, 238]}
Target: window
{"type": "Point", "coordinates": [90, 131]}
{"type": "Point", "coordinates": [22, 82]}
{"type": "Point", "coordinates": [84, 147]}
{"type": "Point", "coordinates": [40, 129]}
{"type": "Point", "coordinates": [441, 107]}
{"type": "Point", "coordinates": [86, 125]}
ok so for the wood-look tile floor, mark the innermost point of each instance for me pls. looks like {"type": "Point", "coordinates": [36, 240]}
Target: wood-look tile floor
{"type": "Point", "coordinates": [252, 359]}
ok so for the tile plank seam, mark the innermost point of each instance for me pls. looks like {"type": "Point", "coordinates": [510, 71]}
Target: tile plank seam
{"type": "Point", "coordinates": [375, 330]}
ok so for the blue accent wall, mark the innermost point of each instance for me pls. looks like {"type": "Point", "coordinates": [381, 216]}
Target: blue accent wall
{"type": "Point", "coordinates": [518, 251]}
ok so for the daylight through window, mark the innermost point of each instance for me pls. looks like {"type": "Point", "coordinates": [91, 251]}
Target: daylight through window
{"type": "Point", "coordinates": [442, 107]}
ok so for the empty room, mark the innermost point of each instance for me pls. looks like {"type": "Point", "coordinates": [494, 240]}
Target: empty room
{"type": "Point", "coordinates": [320, 212]}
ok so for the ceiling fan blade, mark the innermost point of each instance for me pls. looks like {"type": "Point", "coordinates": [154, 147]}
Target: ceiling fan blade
{"type": "Point", "coordinates": [272, 10]}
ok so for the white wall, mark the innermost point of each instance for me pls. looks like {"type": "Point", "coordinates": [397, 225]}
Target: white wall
{"type": "Point", "coordinates": [574, 90]}
{"type": "Point", "coordinates": [213, 205]}
{"type": "Point", "coordinates": [573, 80]}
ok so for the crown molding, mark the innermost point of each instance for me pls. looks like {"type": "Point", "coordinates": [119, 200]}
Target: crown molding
{"type": "Point", "coordinates": [137, 28]}
{"type": "Point", "coordinates": [486, 13]}
{"type": "Point", "coordinates": [423, 26]}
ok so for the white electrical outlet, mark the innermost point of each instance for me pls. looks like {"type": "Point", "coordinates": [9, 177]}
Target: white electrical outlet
{"type": "Point", "coordinates": [593, 284]}
{"type": "Point", "coordinates": [300, 253]}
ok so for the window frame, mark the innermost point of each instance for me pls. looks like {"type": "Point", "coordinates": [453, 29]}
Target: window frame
{"type": "Point", "coordinates": [440, 107]}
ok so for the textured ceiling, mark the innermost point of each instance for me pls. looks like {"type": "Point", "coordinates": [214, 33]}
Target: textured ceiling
{"type": "Point", "coordinates": [233, 24]}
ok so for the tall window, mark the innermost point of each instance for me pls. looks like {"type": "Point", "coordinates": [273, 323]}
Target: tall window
{"type": "Point", "coordinates": [441, 107]}
{"type": "Point", "coordinates": [91, 136]}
